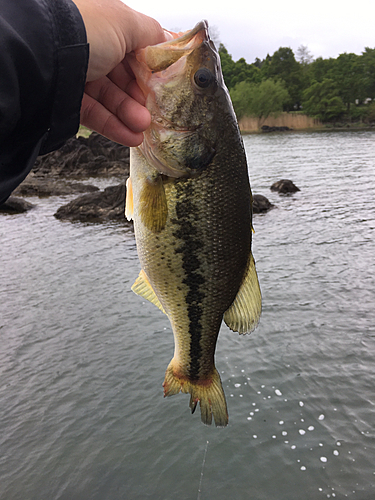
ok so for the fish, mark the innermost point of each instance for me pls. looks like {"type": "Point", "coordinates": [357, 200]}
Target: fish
{"type": "Point", "coordinates": [189, 196]}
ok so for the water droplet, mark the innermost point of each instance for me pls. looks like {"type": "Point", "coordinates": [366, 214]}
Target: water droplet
{"type": "Point", "coordinates": [311, 428]}
{"type": "Point", "coordinates": [321, 417]}
{"type": "Point", "coordinates": [281, 422]}
{"type": "Point", "coordinates": [335, 452]}
{"type": "Point", "coordinates": [249, 418]}
{"type": "Point", "coordinates": [237, 385]}
{"type": "Point", "coordinates": [303, 467]}
{"type": "Point", "coordinates": [263, 386]}
{"type": "Point", "coordinates": [278, 392]}
{"type": "Point", "coordinates": [302, 432]}
{"type": "Point", "coordinates": [273, 437]}
{"type": "Point", "coordinates": [338, 443]}
{"type": "Point", "coordinates": [284, 433]}
{"type": "Point", "coordinates": [301, 403]}
{"type": "Point", "coordinates": [323, 459]}
{"type": "Point", "coordinates": [293, 447]}
{"type": "Point", "coordinates": [251, 413]}
{"type": "Point", "coordinates": [255, 436]}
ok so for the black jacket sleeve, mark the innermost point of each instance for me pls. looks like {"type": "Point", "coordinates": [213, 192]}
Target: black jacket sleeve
{"type": "Point", "coordinates": [43, 64]}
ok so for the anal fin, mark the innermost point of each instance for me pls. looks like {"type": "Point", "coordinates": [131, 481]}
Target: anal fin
{"type": "Point", "coordinates": [142, 287]}
{"type": "Point", "coordinates": [244, 313]}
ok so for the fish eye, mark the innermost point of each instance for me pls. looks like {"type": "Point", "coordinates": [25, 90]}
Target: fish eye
{"type": "Point", "coordinates": [203, 78]}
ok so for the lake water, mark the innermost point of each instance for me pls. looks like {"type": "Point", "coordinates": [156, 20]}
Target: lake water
{"type": "Point", "coordinates": [82, 359]}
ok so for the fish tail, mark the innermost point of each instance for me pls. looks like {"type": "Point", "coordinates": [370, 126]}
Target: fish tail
{"type": "Point", "coordinates": [209, 393]}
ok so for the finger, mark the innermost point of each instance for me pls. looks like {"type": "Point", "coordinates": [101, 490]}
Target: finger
{"type": "Point", "coordinates": [96, 117]}
{"type": "Point", "coordinates": [134, 115]}
{"type": "Point", "coordinates": [122, 76]}
{"type": "Point", "coordinates": [144, 30]}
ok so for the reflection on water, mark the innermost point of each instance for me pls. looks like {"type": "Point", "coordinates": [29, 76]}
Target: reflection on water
{"type": "Point", "coordinates": [83, 359]}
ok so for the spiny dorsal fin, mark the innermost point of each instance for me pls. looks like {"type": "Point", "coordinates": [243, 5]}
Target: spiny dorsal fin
{"type": "Point", "coordinates": [143, 287]}
{"type": "Point", "coordinates": [153, 208]}
{"type": "Point", "coordinates": [129, 207]}
{"type": "Point", "coordinates": [243, 315]}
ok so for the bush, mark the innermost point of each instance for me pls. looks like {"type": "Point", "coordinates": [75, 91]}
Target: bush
{"type": "Point", "coordinates": [259, 100]}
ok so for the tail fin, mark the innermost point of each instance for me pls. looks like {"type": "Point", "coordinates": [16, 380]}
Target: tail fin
{"type": "Point", "coordinates": [208, 392]}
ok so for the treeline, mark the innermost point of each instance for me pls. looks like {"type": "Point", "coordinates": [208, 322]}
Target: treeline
{"type": "Point", "coordinates": [327, 89]}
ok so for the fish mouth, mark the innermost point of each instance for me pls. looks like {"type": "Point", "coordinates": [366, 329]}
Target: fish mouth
{"type": "Point", "coordinates": [159, 57]}
{"type": "Point", "coordinates": [186, 37]}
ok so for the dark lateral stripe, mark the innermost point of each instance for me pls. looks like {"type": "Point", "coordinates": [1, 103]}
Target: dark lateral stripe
{"type": "Point", "coordinates": [189, 248]}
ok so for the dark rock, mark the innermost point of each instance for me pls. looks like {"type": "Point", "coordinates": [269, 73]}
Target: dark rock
{"type": "Point", "coordinates": [15, 205]}
{"type": "Point", "coordinates": [266, 128]}
{"type": "Point", "coordinates": [96, 207]}
{"type": "Point", "coordinates": [42, 187]}
{"type": "Point", "coordinates": [284, 186]}
{"type": "Point", "coordinates": [261, 204]}
{"type": "Point", "coordinates": [82, 157]}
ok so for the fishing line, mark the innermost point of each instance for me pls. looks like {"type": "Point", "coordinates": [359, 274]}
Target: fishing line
{"type": "Point", "coordinates": [203, 464]}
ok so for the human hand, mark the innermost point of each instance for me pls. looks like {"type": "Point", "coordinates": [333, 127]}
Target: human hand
{"type": "Point", "coordinates": [113, 104]}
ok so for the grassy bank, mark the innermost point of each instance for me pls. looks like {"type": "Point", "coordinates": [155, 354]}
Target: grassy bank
{"type": "Point", "coordinates": [298, 121]}
{"type": "Point", "coordinates": [291, 120]}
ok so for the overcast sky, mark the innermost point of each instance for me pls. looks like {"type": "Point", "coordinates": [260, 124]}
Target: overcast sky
{"type": "Point", "coordinates": [253, 29]}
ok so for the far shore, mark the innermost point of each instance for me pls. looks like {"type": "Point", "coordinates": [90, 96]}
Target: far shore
{"type": "Point", "coordinates": [295, 121]}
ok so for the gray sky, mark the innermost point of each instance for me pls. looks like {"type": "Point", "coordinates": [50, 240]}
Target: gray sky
{"type": "Point", "coordinates": [252, 29]}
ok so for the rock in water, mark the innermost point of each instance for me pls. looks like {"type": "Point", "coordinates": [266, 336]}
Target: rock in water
{"type": "Point", "coordinates": [96, 207]}
{"type": "Point", "coordinates": [15, 205]}
{"type": "Point", "coordinates": [85, 157]}
{"type": "Point", "coordinates": [284, 186]}
{"type": "Point", "coordinates": [261, 204]}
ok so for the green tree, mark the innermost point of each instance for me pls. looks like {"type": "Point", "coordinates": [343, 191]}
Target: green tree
{"type": "Point", "coordinates": [349, 78]}
{"type": "Point", "coordinates": [368, 64]}
{"type": "Point", "coordinates": [235, 72]}
{"type": "Point", "coordinates": [320, 69]}
{"type": "Point", "coordinates": [321, 100]}
{"type": "Point", "coordinates": [283, 66]}
{"type": "Point", "coordinates": [259, 100]}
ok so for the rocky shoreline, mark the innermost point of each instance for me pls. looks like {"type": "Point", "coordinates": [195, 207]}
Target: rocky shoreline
{"type": "Point", "coordinates": [62, 172]}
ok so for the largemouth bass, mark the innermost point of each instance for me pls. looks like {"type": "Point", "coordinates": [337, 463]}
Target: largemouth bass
{"type": "Point", "coordinates": [189, 196]}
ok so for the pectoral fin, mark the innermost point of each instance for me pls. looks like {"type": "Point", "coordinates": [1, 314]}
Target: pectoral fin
{"type": "Point", "coordinates": [153, 207]}
{"type": "Point", "coordinates": [143, 287]}
{"type": "Point", "coordinates": [243, 315]}
{"type": "Point", "coordinates": [129, 207]}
